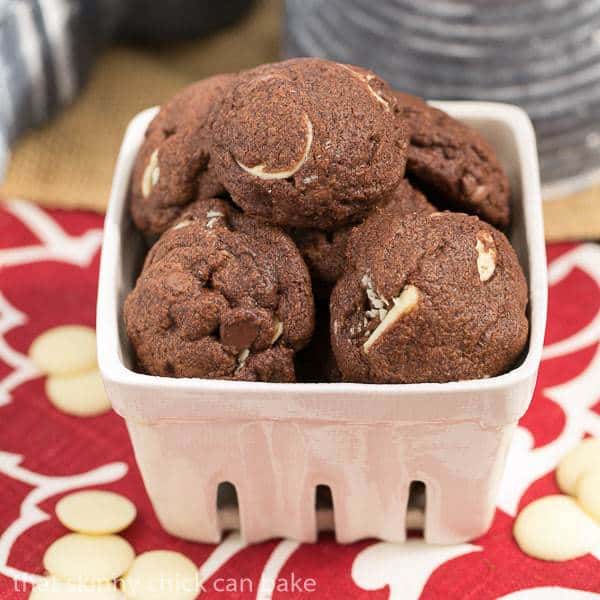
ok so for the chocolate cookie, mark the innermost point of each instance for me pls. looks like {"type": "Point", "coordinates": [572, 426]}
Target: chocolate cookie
{"type": "Point", "coordinates": [428, 299]}
{"type": "Point", "coordinates": [454, 162]}
{"type": "Point", "coordinates": [325, 251]}
{"type": "Point", "coordinates": [308, 143]}
{"type": "Point", "coordinates": [221, 296]}
{"type": "Point", "coordinates": [172, 167]}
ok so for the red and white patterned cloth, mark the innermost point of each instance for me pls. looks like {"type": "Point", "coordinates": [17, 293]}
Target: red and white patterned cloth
{"type": "Point", "coordinates": [48, 276]}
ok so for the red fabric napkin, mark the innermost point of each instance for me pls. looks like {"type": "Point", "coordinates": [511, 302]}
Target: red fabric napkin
{"type": "Point", "coordinates": [48, 276]}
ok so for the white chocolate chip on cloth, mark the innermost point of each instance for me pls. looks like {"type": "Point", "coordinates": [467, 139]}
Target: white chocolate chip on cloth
{"type": "Point", "coordinates": [588, 494]}
{"type": "Point", "coordinates": [67, 355]}
{"type": "Point", "coordinates": [582, 459]}
{"type": "Point", "coordinates": [161, 574]}
{"type": "Point", "coordinates": [87, 559]}
{"type": "Point", "coordinates": [95, 512]}
{"type": "Point", "coordinates": [55, 589]}
{"type": "Point", "coordinates": [65, 350]}
{"type": "Point", "coordinates": [80, 394]}
{"type": "Point", "coordinates": [555, 528]}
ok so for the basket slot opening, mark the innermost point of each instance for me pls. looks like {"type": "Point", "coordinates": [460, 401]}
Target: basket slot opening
{"type": "Point", "coordinates": [324, 508]}
{"type": "Point", "coordinates": [228, 507]}
{"type": "Point", "coordinates": [415, 513]}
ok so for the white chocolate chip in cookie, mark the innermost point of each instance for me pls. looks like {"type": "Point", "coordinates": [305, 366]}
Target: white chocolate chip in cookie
{"type": "Point", "coordinates": [582, 459]}
{"type": "Point", "coordinates": [486, 255]}
{"type": "Point", "coordinates": [405, 303]}
{"type": "Point", "coordinates": [378, 305]}
{"type": "Point", "coordinates": [151, 174]}
{"type": "Point", "coordinates": [64, 350]}
{"type": "Point", "coordinates": [366, 80]}
{"type": "Point", "coordinates": [182, 224]}
{"type": "Point", "coordinates": [277, 331]}
{"type": "Point", "coordinates": [212, 216]}
{"type": "Point", "coordinates": [243, 357]}
{"type": "Point", "coordinates": [376, 300]}
{"type": "Point", "coordinates": [260, 170]}
{"type": "Point", "coordinates": [555, 528]}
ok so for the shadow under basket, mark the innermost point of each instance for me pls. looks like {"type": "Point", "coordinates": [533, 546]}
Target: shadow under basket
{"type": "Point", "coordinates": [360, 446]}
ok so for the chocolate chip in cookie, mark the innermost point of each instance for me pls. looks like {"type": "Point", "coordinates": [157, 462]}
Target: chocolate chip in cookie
{"type": "Point", "coordinates": [221, 296]}
{"type": "Point", "coordinates": [432, 298]}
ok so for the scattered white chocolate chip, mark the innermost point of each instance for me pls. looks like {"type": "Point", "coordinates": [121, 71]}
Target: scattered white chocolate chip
{"type": "Point", "coordinates": [588, 494]}
{"type": "Point", "coordinates": [582, 459]}
{"type": "Point", "coordinates": [260, 172]}
{"type": "Point", "coordinates": [64, 350]}
{"type": "Point", "coordinates": [555, 528]}
{"type": "Point", "coordinates": [95, 512]}
{"type": "Point", "coordinates": [162, 574]}
{"type": "Point", "coordinates": [151, 174]}
{"type": "Point", "coordinates": [366, 79]}
{"type": "Point", "coordinates": [87, 559]}
{"type": "Point", "coordinates": [51, 588]}
{"type": "Point", "coordinates": [403, 304]}
{"type": "Point", "coordinates": [278, 331]}
{"type": "Point", "coordinates": [486, 255]}
{"type": "Point", "coordinates": [80, 395]}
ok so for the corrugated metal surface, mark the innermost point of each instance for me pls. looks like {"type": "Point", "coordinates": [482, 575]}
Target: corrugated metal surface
{"type": "Point", "coordinates": [543, 55]}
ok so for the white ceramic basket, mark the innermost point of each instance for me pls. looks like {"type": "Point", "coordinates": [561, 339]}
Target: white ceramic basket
{"type": "Point", "coordinates": [276, 442]}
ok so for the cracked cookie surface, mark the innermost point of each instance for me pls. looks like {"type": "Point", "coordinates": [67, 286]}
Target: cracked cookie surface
{"type": "Point", "coordinates": [432, 298]}
{"type": "Point", "coordinates": [221, 296]}
{"type": "Point", "coordinates": [173, 165]}
{"type": "Point", "coordinates": [454, 162]}
{"type": "Point", "coordinates": [308, 142]}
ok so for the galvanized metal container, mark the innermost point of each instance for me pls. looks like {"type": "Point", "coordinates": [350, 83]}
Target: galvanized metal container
{"type": "Point", "coordinates": [543, 55]}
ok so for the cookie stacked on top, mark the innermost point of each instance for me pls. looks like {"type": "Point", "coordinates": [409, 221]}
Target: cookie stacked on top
{"type": "Point", "coordinates": [306, 184]}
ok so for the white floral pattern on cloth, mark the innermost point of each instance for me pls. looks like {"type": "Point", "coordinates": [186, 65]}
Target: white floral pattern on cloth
{"type": "Point", "coordinates": [48, 277]}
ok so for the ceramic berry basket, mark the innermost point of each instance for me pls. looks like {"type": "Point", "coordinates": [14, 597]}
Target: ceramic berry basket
{"type": "Point", "coordinates": [276, 442]}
